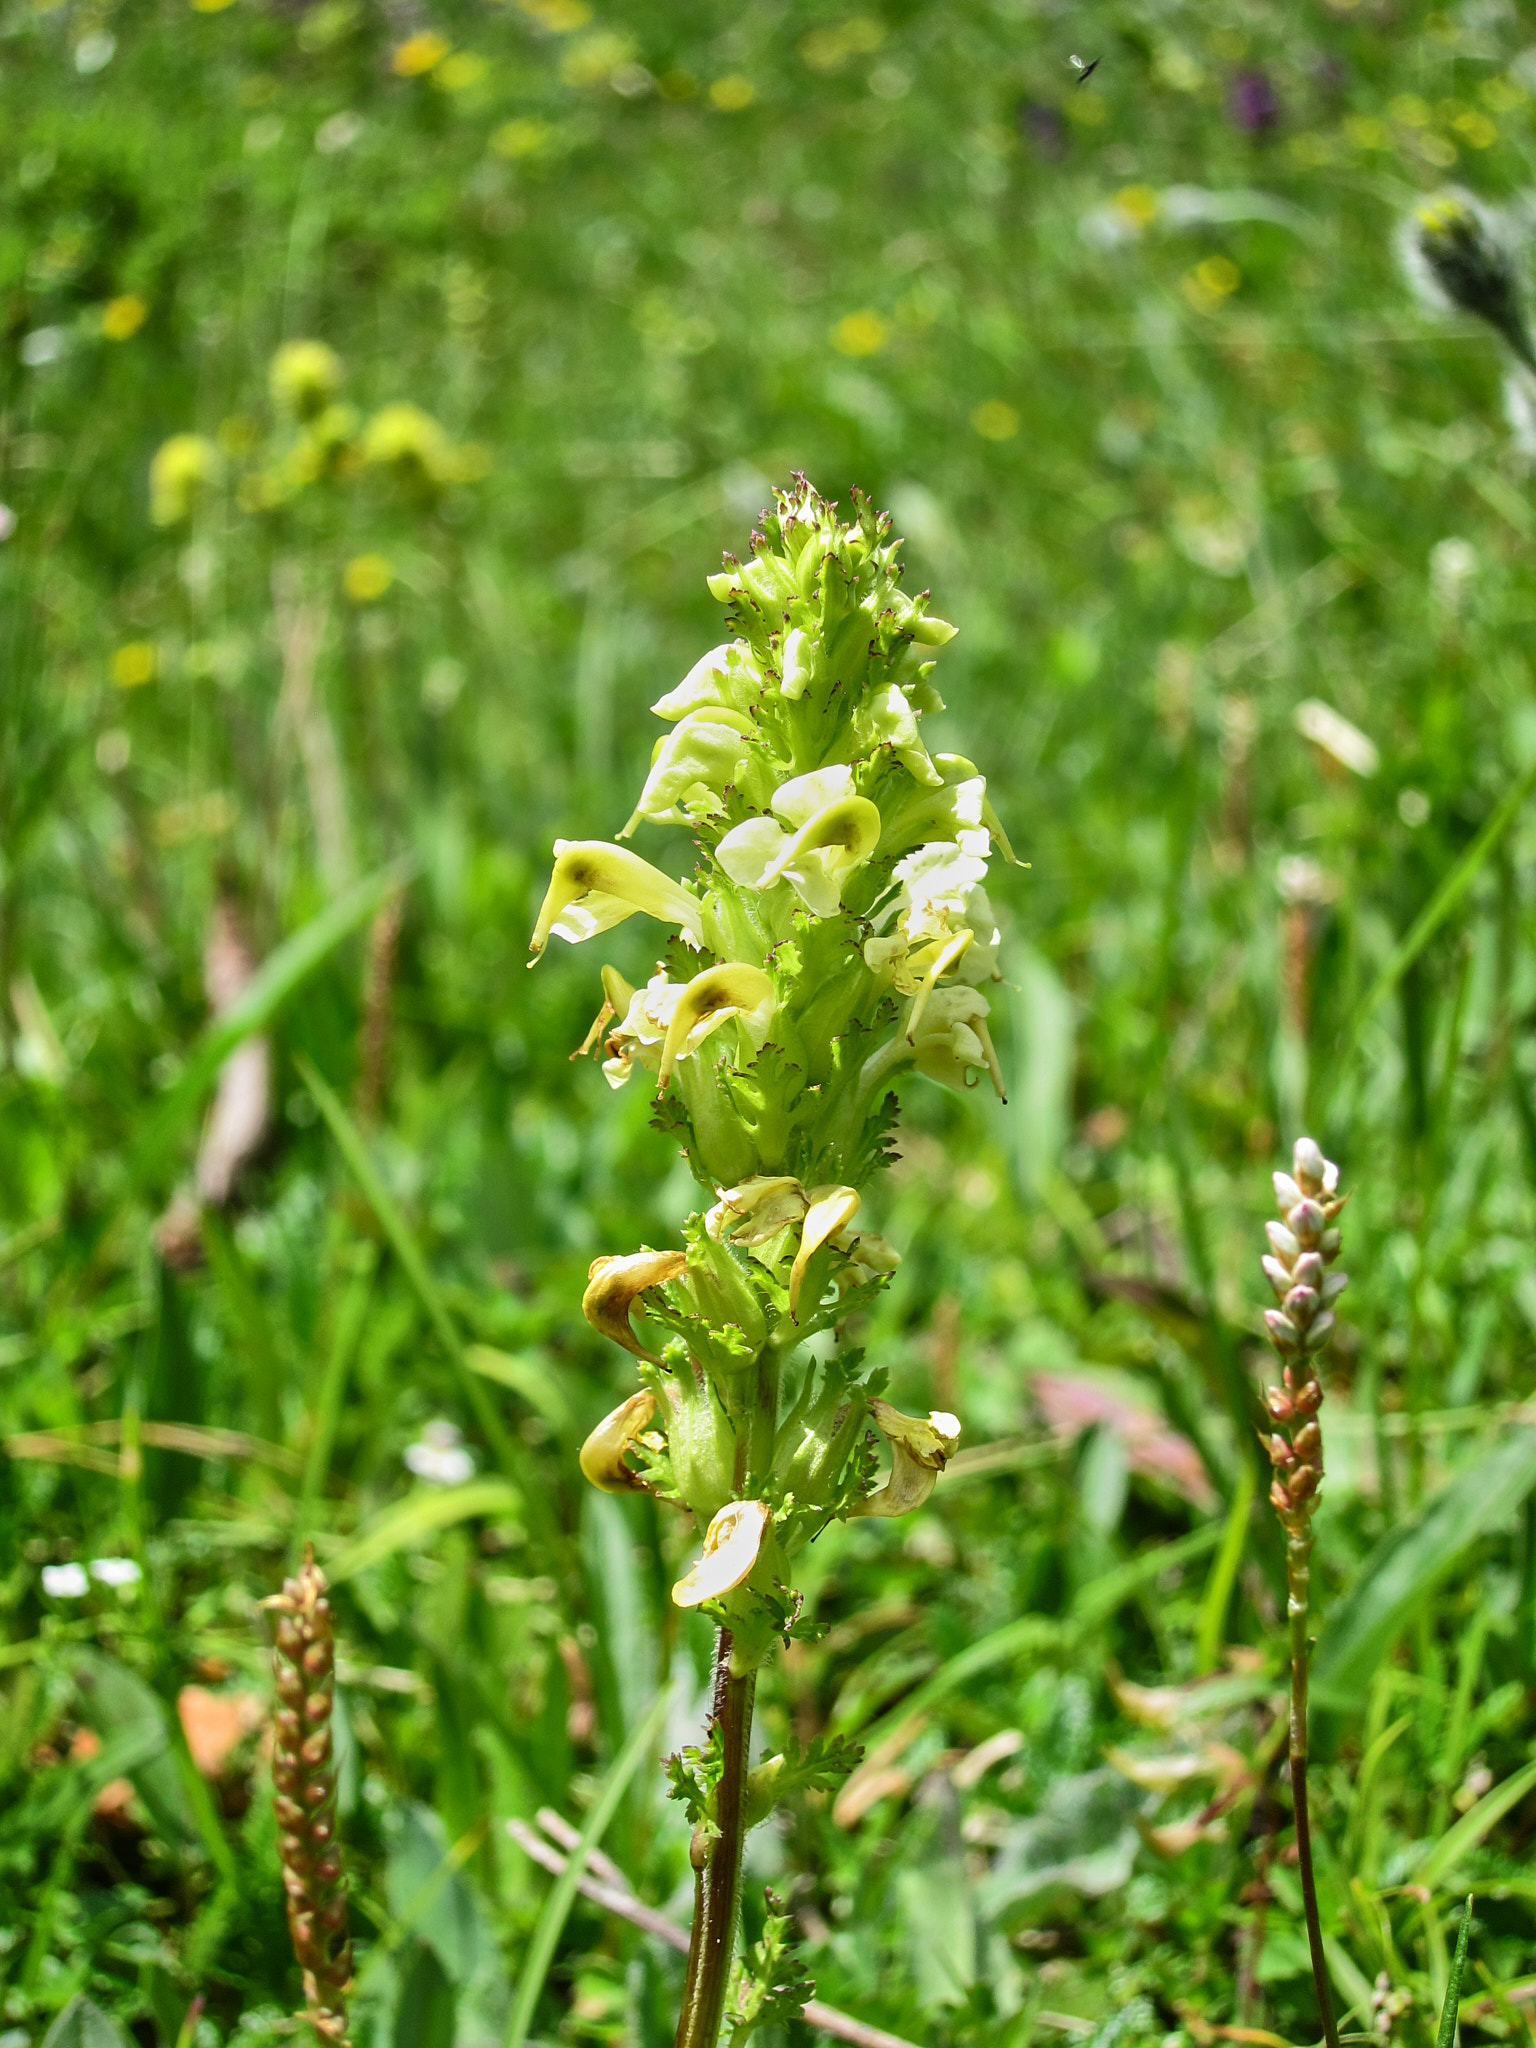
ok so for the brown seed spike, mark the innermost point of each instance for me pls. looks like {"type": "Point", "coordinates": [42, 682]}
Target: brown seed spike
{"type": "Point", "coordinates": [304, 1775]}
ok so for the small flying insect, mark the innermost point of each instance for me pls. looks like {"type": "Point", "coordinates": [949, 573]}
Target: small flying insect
{"type": "Point", "coordinates": [1084, 70]}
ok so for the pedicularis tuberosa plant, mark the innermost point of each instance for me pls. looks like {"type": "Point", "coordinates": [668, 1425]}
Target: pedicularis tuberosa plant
{"type": "Point", "coordinates": [835, 936]}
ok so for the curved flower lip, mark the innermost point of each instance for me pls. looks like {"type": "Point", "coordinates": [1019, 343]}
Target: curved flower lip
{"type": "Point", "coordinates": [710, 1000]}
{"type": "Point", "coordinates": [602, 1455]}
{"type": "Point", "coordinates": [596, 885]}
{"type": "Point", "coordinates": [707, 749]}
{"type": "Point", "coordinates": [919, 1452]}
{"type": "Point", "coordinates": [732, 1543]}
{"type": "Point", "coordinates": [700, 688]}
{"type": "Point", "coordinates": [816, 860]}
{"type": "Point", "coordinates": [613, 1285]}
{"type": "Point", "coordinates": [757, 1209]}
{"type": "Point", "coordinates": [829, 1212]}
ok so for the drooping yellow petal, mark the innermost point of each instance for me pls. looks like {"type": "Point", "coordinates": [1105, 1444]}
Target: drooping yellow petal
{"type": "Point", "coordinates": [602, 1455]}
{"type": "Point", "coordinates": [710, 999]}
{"type": "Point", "coordinates": [596, 885]}
{"type": "Point", "coordinates": [830, 1210]}
{"type": "Point", "coordinates": [614, 1283]}
{"type": "Point", "coordinates": [731, 1546]}
{"type": "Point", "coordinates": [948, 957]}
{"type": "Point", "coordinates": [819, 858]}
{"type": "Point", "coordinates": [919, 1452]}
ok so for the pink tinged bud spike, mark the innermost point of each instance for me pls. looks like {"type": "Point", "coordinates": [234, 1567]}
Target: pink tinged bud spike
{"type": "Point", "coordinates": [1309, 1441]}
{"type": "Point", "coordinates": [1280, 1327]}
{"type": "Point", "coordinates": [1309, 1164]}
{"type": "Point", "coordinates": [1308, 1270]}
{"type": "Point", "coordinates": [1279, 1497]}
{"type": "Point", "coordinates": [1304, 1483]}
{"type": "Point", "coordinates": [1306, 1221]}
{"type": "Point", "coordinates": [1333, 1287]}
{"type": "Point", "coordinates": [1279, 1403]}
{"type": "Point", "coordinates": [1287, 1194]}
{"type": "Point", "coordinates": [1309, 1397]}
{"type": "Point", "coordinates": [1301, 1305]}
{"type": "Point", "coordinates": [1276, 1274]}
{"type": "Point", "coordinates": [1322, 1329]}
{"type": "Point", "coordinates": [1331, 1241]}
{"type": "Point", "coordinates": [1280, 1452]}
{"type": "Point", "coordinates": [1285, 1247]}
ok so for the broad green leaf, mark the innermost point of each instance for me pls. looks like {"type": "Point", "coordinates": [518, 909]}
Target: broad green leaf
{"type": "Point", "coordinates": [1410, 1562]}
{"type": "Point", "coordinates": [1457, 1841]}
{"type": "Point", "coordinates": [84, 2025]}
{"type": "Point", "coordinates": [419, 1515]}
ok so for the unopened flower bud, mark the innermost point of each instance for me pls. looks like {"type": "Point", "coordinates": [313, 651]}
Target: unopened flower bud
{"type": "Point", "coordinates": [1276, 1274]}
{"type": "Point", "coordinates": [1279, 1497]}
{"type": "Point", "coordinates": [1285, 1247]}
{"type": "Point", "coordinates": [1309, 1397]}
{"type": "Point", "coordinates": [1301, 1305]}
{"type": "Point", "coordinates": [1308, 1270]}
{"type": "Point", "coordinates": [1303, 1483]}
{"type": "Point", "coordinates": [1333, 1287]}
{"type": "Point", "coordinates": [1309, 1441]}
{"type": "Point", "coordinates": [1281, 1329]}
{"type": "Point", "coordinates": [1330, 1243]}
{"type": "Point", "coordinates": [1309, 1165]}
{"type": "Point", "coordinates": [1279, 1404]}
{"type": "Point", "coordinates": [1287, 1193]}
{"type": "Point", "coordinates": [1280, 1452]}
{"type": "Point", "coordinates": [1322, 1328]}
{"type": "Point", "coordinates": [1306, 1221]}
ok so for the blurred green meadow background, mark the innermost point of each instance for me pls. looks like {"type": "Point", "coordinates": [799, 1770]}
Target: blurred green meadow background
{"type": "Point", "coordinates": [307, 654]}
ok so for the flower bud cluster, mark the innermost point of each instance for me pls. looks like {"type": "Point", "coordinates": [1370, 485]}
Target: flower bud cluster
{"type": "Point", "coordinates": [836, 934]}
{"type": "Point", "coordinates": [1302, 1247]}
{"type": "Point", "coordinates": [304, 1778]}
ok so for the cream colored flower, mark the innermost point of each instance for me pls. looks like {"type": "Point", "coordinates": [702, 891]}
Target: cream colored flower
{"type": "Point", "coordinates": [828, 1213]}
{"type": "Point", "coordinates": [712, 999]}
{"type": "Point", "coordinates": [615, 1283]}
{"type": "Point", "coordinates": [602, 1455]}
{"type": "Point", "coordinates": [833, 831]}
{"type": "Point", "coordinates": [692, 767]}
{"type": "Point", "coordinates": [732, 1543]}
{"type": "Point", "coordinates": [919, 1452]}
{"type": "Point", "coordinates": [766, 1204]}
{"type": "Point", "coordinates": [596, 885]}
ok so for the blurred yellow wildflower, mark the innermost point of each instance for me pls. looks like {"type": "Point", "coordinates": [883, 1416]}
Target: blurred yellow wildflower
{"type": "Point", "coordinates": [1087, 109]}
{"type": "Point", "coordinates": [1476, 128]}
{"type": "Point", "coordinates": [134, 664]}
{"type": "Point", "coordinates": [238, 434]}
{"type": "Point", "coordinates": [122, 317]}
{"type": "Point", "coordinates": [420, 53]}
{"type": "Point", "coordinates": [1213, 280]}
{"type": "Point", "coordinates": [462, 71]}
{"type": "Point", "coordinates": [366, 578]}
{"type": "Point", "coordinates": [180, 472]}
{"type": "Point", "coordinates": [211, 6]}
{"type": "Point", "coordinates": [828, 49]}
{"type": "Point", "coordinates": [730, 94]}
{"type": "Point", "coordinates": [860, 334]}
{"type": "Point", "coordinates": [995, 420]}
{"type": "Point", "coordinates": [1137, 205]}
{"type": "Point", "coordinates": [1410, 109]}
{"type": "Point", "coordinates": [1366, 132]}
{"type": "Point", "coordinates": [304, 377]}
{"type": "Point", "coordinates": [559, 17]}
{"type": "Point", "coordinates": [594, 60]}
{"type": "Point", "coordinates": [1502, 95]}
{"type": "Point", "coordinates": [521, 136]}
{"type": "Point", "coordinates": [404, 438]}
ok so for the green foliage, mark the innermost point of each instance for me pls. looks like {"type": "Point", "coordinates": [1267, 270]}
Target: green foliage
{"type": "Point", "coordinates": [1161, 423]}
{"type": "Point", "coordinates": [770, 1985]}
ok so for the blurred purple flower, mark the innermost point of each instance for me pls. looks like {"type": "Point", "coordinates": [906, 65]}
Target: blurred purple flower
{"type": "Point", "coordinates": [1252, 104]}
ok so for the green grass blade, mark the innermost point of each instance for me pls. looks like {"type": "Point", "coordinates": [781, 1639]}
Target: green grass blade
{"type": "Point", "coordinates": [1457, 1841]}
{"type": "Point", "coordinates": [350, 1318]}
{"type": "Point", "coordinates": [278, 978]}
{"type": "Point", "coordinates": [1452, 2006]}
{"type": "Point", "coordinates": [1412, 1560]}
{"type": "Point", "coordinates": [546, 1935]}
{"type": "Point", "coordinates": [1217, 1597]}
{"type": "Point", "coordinates": [420, 1514]}
{"type": "Point", "coordinates": [402, 1240]}
{"type": "Point", "coordinates": [1437, 910]}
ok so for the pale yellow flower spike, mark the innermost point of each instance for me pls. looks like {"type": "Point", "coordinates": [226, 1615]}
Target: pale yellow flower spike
{"type": "Point", "coordinates": [596, 885]}
{"type": "Point", "coordinates": [613, 1285]}
{"type": "Point", "coordinates": [919, 1452]}
{"type": "Point", "coordinates": [731, 1546]}
{"type": "Point", "coordinates": [830, 1210]}
{"type": "Point", "coordinates": [602, 1455]}
{"type": "Point", "coordinates": [709, 1001]}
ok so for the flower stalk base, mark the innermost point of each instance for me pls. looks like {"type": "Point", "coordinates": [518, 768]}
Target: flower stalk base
{"type": "Point", "coordinates": [716, 1858]}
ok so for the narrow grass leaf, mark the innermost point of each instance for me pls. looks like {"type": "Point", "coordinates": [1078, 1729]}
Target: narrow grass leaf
{"type": "Point", "coordinates": [350, 1143]}
{"type": "Point", "coordinates": [420, 1515]}
{"type": "Point", "coordinates": [1412, 1560]}
{"type": "Point", "coordinates": [1459, 1840]}
{"type": "Point", "coordinates": [1447, 2033]}
{"type": "Point", "coordinates": [278, 978]}
{"type": "Point", "coordinates": [546, 1935]}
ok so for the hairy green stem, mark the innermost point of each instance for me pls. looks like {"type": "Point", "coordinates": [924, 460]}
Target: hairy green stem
{"type": "Point", "coordinates": [717, 1861]}
{"type": "Point", "coordinates": [1298, 1574]}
